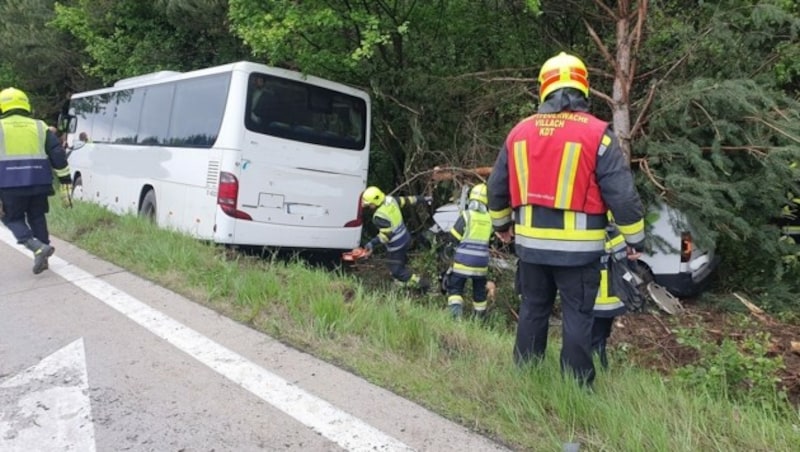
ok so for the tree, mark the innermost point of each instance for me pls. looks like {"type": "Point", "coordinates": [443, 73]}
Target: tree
{"type": "Point", "coordinates": [130, 37]}
{"type": "Point", "coordinates": [720, 135]}
{"type": "Point", "coordinates": [437, 71]}
{"type": "Point", "coordinates": [39, 59]}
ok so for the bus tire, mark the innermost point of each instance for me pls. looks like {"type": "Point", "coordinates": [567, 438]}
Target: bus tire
{"type": "Point", "coordinates": [148, 208]}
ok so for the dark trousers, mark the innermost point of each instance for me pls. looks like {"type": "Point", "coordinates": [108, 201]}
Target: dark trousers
{"type": "Point", "coordinates": [25, 216]}
{"type": "Point", "coordinates": [397, 262]}
{"type": "Point", "coordinates": [578, 289]}
{"type": "Point", "coordinates": [456, 284]}
{"type": "Point", "coordinates": [601, 331]}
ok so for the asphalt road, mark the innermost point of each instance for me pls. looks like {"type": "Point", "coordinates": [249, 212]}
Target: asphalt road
{"type": "Point", "coordinates": [94, 358]}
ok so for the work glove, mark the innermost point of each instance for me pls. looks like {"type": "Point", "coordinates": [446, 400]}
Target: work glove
{"type": "Point", "coordinates": [66, 195]}
{"type": "Point", "coordinates": [428, 199]}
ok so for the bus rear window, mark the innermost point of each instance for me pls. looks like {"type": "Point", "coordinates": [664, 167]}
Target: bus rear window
{"type": "Point", "coordinates": [303, 112]}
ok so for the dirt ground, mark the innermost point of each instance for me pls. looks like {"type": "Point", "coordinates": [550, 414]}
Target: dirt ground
{"type": "Point", "coordinates": [654, 343]}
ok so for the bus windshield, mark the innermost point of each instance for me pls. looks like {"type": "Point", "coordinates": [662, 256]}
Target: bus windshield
{"type": "Point", "coordinates": [311, 114]}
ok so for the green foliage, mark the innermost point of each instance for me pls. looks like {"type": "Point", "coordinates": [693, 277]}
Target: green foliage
{"type": "Point", "coordinates": [7, 77]}
{"type": "Point", "coordinates": [449, 78]}
{"type": "Point", "coordinates": [721, 151]}
{"type": "Point", "coordinates": [37, 58]}
{"type": "Point", "coordinates": [434, 69]}
{"type": "Point", "coordinates": [734, 371]}
{"type": "Point", "coordinates": [132, 37]}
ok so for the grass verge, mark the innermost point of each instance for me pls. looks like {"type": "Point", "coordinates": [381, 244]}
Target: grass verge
{"type": "Point", "coordinates": [462, 370]}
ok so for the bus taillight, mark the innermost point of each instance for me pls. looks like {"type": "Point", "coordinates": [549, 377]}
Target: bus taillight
{"type": "Point", "coordinates": [228, 194]}
{"type": "Point", "coordinates": [686, 246]}
{"type": "Point", "coordinates": [359, 220]}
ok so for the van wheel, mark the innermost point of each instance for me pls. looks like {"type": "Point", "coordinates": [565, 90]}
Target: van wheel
{"type": "Point", "coordinates": [644, 272]}
{"type": "Point", "coordinates": [77, 188]}
{"type": "Point", "coordinates": [148, 208]}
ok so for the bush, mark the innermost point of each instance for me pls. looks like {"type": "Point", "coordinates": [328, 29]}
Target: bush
{"type": "Point", "coordinates": [737, 371]}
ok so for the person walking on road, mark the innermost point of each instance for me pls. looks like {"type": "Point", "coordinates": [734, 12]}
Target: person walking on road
{"type": "Point", "coordinates": [559, 172]}
{"type": "Point", "coordinates": [29, 154]}
{"type": "Point", "coordinates": [392, 233]}
{"type": "Point", "coordinates": [472, 231]}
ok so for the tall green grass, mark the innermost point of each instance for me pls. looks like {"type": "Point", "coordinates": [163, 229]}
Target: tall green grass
{"type": "Point", "coordinates": [462, 370]}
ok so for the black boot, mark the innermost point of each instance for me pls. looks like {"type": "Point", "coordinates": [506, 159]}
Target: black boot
{"type": "Point", "coordinates": [456, 310]}
{"type": "Point", "coordinates": [41, 251]}
{"type": "Point", "coordinates": [479, 316]}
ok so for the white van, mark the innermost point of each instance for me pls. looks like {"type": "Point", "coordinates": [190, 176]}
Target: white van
{"type": "Point", "coordinates": [673, 259]}
{"type": "Point", "coordinates": [673, 256]}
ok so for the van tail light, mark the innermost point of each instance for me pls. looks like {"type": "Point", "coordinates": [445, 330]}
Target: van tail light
{"type": "Point", "coordinates": [359, 218]}
{"type": "Point", "coordinates": [686, 246]}
{"type": "Point", "coordinates": [228, 196]}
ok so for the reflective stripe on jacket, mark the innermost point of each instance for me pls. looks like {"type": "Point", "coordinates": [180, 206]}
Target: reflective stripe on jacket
{"type": "Point", "coordinates": [607, 304]}
{"type": "Point", "coordinates": [472, 253]}
{"type": "Point", "coordinates": [392, 230]}
{"type": "Point", "coordinates": [23, 158]}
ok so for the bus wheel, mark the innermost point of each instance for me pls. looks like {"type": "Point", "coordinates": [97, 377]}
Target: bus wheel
{"type": "Point", "coordinates": [148, 208]}
{"type": "Point", "coordinates": [77, 188]}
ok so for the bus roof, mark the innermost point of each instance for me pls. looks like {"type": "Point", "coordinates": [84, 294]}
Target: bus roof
{"type": "Point", "coordinates": [156, 78]}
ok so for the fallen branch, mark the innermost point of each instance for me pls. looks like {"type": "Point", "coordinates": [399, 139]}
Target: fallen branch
{"type": "Point", "coordinates": [666, 329]}
{"type": "Point", "coordinates": [755, 310]}
{"type": "Point", "coordinates": [449, 173]}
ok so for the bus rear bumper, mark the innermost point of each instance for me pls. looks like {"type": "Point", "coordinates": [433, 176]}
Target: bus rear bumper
{"type": "Point", "coordinates": [251, 233]}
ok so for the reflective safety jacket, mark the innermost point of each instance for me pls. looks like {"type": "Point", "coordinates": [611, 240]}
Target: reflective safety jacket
{"type": "Point", "coordinates": [555, 177]}
{"type": "Point", "coordinates": [563, 148]}
{"type": "Point", "coordinates": [473, 230]}
{"type": "Point", "coordinates": [23, 159]}
{"type": "Point", "coordinates": [388, 218]}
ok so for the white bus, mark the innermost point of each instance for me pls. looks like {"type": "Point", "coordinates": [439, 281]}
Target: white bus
{"type": "Point", "coordinates": [241, 154]}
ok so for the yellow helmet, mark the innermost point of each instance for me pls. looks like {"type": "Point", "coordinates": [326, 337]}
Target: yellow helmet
{"type": "Point", "coordinates": [12, 99]}
{"type": "Point", "coordinates": [563, 71]}
{"type": "Point", "coordinates": [372, 196]}
{"type": "Point", "coordinates": [478, 193]}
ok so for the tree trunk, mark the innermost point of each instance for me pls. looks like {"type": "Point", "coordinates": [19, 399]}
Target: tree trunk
{"type": "Point", "coordinates": [620, 107]}
{"type": "Point", "coordinates": [623, 62]}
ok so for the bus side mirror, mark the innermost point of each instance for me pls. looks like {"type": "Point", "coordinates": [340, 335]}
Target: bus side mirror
{"type": "Point", "coordinates": [67, 123]}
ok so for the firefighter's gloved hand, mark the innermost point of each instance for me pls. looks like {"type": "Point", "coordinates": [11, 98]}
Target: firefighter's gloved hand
{"type": "Point", "coordinates": [66, 195]}
{"type": "Point", "coordinates": [632, 253]}
{"type": "Point", "coordinates": [428, 199]}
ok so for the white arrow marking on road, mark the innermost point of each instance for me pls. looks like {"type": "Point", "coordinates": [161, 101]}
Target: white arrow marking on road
{"type": "Point", "coordinates": [47, 407]}
{"type": "Point", "coordinates": [344, 429]}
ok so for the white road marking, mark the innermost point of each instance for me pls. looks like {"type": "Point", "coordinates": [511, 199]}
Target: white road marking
{"type": "Point", "coordinates": [48, 405]}
{"type": "Point", "coordinates": [338, 426]}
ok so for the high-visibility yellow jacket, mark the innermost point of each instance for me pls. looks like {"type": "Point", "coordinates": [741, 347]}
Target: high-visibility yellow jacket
{"type": "Point", "coordinates": [29, 153]}
{"type": "Point", "coordinates": [473, 230]}
{"type": "Point", "coordinates": [388, 218]}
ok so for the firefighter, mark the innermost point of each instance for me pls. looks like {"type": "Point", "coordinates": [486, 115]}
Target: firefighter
{"type": "Point", "coordinates": [558, 172]}
{"type": "Point", "coordinates": [472, 231]}
{"type": "Point", "coordinates": [29, 154]}
{"type": "Point", "coordinates": [392, 233]}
